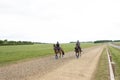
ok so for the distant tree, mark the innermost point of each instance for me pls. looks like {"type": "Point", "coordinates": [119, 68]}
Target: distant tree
{"type": "Point", "coordinates": [102, 41]}
{"type": "Point", "coordinates": [1, 42]}
{"type": "Point", "coordinates": [11, 42]}
{"type": "Point", "coordinates": [72, 42]}
{"type": "Point", "coordinates": [6, 42]}
{"type": "Point", "coordinates": [116, 41]}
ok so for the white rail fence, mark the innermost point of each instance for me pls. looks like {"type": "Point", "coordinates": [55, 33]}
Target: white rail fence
{"type": "Point", "coordinates": [111, 66]}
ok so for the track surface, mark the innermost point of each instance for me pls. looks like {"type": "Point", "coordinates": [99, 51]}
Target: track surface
{"type": "Point", "coordinates": [47, 68]}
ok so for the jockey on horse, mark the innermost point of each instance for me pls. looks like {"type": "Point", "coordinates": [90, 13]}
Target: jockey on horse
{"type": "Point", "coordinates": [78, 45]}
{"type": "Point", "coordinates": [78, 49]}
{"type": "Point", "coordinates": [58, 46]}
{"type": "Point", "coordinates": [58, 49]}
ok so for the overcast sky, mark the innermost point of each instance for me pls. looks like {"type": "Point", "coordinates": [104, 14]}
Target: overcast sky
{"type": "Point", "coordinates": [59, 20]}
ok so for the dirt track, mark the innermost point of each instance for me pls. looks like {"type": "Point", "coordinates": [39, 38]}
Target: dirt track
{"type": "Point", "coordinates": [67, 68]}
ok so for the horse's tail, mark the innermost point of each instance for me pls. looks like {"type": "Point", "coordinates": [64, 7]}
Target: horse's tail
{"type": "Point", "coordinates": [80, 50]}
{"type": "Point", "coordinates": [62, 52]}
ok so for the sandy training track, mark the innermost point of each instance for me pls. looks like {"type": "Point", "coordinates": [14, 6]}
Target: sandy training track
{"type": "Point", "coordinates": [47, 68]}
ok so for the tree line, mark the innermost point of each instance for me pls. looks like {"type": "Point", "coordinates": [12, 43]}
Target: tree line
{"type": "Point", "coordinates": [104, 41]}
{"type": "Point", "coordinates": [6, 42]}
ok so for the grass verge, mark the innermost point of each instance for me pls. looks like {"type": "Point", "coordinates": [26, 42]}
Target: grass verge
{"type": "Point", "coordinates": [116, 58]}
{"type": "Point", "coordinates": [102, 70]}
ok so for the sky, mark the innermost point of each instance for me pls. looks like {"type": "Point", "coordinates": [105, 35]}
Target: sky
{"type": "Point", "coordinates": [59, 20]}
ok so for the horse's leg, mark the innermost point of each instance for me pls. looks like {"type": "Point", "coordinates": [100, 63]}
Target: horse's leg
{"type": "Point", "coordinates": [76, 54]}
{"type": "Point", "coordinates": [56, 56]}
{"type": "Point", "coordinates": [60, 54]}
{"type": "Point", "coordinates": [79, 54]}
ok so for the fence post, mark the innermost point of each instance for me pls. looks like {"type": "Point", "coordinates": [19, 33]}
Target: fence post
{"type": "Point", "coordinates": [110, 58]}
{"type": "Point", "coordinates": [113, 67]}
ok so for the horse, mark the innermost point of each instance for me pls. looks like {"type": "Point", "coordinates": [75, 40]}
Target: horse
{"type": "Point", "coordinates": [58, 50]}
{"type": "Point", "coordinates": [78, 51]}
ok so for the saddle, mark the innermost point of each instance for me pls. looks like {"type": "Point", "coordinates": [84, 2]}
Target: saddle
{"type": "Point", "coordinates": [58, 48]}
{"type": "Point", "coordinates": [77, 48]}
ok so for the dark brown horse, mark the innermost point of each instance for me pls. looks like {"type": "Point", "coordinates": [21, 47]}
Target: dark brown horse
{"type": "Point", "coordinates": [78, 51]}
{"type": "Point", "coordinates": [58, 50]}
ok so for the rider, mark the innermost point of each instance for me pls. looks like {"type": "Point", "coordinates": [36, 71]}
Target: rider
{"type": "Point", "coordinates": [58, 45]}
{"type": "Point", "coordinates": [78, 45]}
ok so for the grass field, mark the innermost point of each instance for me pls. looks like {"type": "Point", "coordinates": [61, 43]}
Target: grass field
{"type": "Point", "coordinates": [116, 58]}
{"type": "Point", "coordinates": [70, 46]}
{"type": "Point", "coordinates": [9, 54]}
{"type": "Point", "coordinates": [117, 43]}
{"type": "Point", "coordinates": [102, 71]}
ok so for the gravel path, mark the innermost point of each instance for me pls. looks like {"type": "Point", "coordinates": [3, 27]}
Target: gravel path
{"type": "Point", "coordinates": [47, 68]}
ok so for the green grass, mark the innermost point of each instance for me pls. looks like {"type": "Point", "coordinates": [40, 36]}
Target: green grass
{"type": "Point", "coordinates": [102, 71]}
{"type": "Point", "coordinates": [117, 43]}
{"type": "Point", "coordinates": [116, 58]}
{"type": "Point", "coordinates": [20, 52]}
{"type": "Point", "coordinates": [10, 54]}
{"type": "Point", "coordinates": [70, 47]}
